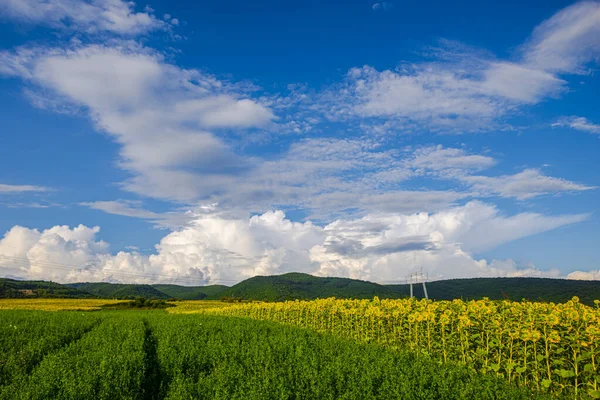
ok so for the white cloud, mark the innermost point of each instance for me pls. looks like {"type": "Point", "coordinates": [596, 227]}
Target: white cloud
{"type": "Point", "coordinates": [384, 5]}
{"type": "Point", "coordinates": [28, 205]}
{"type": "Point", "coordinates": [519, 84]}
{"type": "Point", "coordinates": [331, 177]}
{"type": "Point", "coordinates": [129, 208]}
{"type": "Point", "coordinates": [409, 201]}
{"type": "Point", "coordinates": [578, 123]}
{"type": "Point", "coordinates": [179, 130]}
{"type": "Point", "coordinates": [90, 16]}
{"type": "Point", "coordinates": [460, 89]}
{"type": "Point", "coordinates": [327, 176]}
{"type": "Point", "coordinates": [421, 94]}
{"type": "Point", "coordinates": [584, 275]}
{"type": "Point", "coordinates": [122, 207]}
{"type": "Point", "coordinates": [439, 159]}
{"type": "Point", "coordinates": [465, 95]}
{"type": "Point", "coordinates": [214, 248]}
{"type": "Point", "coordinates": [4, 188]}
{"type": "Point", "coordinates": [163, 117]}
{"type": "Point", "coordinates": [566, 41]}
{"type": "Point", "coordinates": [51, 254]}
{"type": "Point", "coordinates": [524, 185]}
{"type": "Point", "coordinates": [441, 243]}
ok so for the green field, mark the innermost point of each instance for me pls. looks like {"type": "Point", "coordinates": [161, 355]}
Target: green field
{"type": "Point", "coordinates": [155, 355]}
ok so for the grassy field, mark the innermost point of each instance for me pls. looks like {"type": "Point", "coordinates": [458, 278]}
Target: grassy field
{"type": "Point", "coordinates": [331, 349]}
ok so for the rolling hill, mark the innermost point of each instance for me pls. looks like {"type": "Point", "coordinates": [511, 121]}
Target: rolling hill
{"type": "Point", "coordinates": [119, 291]}
{"type": "Point", "coordinates": [305, 287]}
{"type": "Point", "coordinates": [534, 289]}
{"type": "Point", "coordinates": [191, 292]}
{"type": "Point", "coordinates": [11, 288]}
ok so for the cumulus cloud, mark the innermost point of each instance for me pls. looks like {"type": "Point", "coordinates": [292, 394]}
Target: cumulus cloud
{"type": "Point", "coordinates": [441, 243]}
{"type": "Point", "coordinates": [585, 275]}
{"type": "Point", "coordinates": [4, 188]}
{"type": "Point", "coordinates": [52, 254]}
{"type": "Point", "coordinates": [216, 248]}
{"type": "Point", "coordinates": [524, 185]}
{"type": "Point", "coordinates": [577, 123]}
{"type": "Point", "coordinates": [90, 16]}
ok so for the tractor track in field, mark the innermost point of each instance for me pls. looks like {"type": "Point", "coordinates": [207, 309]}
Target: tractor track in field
{"type": "Point", "coordinates": [67, 343]}
{"type": "Point", "coordinates": [31, 367]}
{"type": "Point", "coordinates": [154, 386]}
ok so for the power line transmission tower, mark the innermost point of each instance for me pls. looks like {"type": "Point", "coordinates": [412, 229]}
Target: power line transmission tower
{"type": "Point", "coordinates": [416, 278]}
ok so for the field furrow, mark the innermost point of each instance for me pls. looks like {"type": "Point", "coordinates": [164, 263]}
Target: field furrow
{"type": "Point", "coordinates": [107, 363]}
{"type": "Point", "coordinates": [26, 338]}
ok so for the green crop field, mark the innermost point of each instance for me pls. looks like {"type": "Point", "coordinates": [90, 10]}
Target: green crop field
{"type": "Point", "coordinates": [156, 355]}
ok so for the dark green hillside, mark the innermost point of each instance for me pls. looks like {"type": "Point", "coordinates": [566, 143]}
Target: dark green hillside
{"type": "Point", "coordinates": [191, 292]}
{"type": "Point", "coordinates": [534, 289]}
{"type": "Point", "coordinates": [305, 287]}
{"type": "Point", "coordinates": [119, 291]}
{"type": "Point", "coordinates": [10, 288]}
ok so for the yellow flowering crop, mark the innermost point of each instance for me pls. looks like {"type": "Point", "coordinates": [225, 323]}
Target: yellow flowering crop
{"type": "Point", "coordinates": [552, 347]}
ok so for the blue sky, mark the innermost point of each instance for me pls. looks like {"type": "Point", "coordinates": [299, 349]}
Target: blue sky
{"type": "Point", "coordinates": [210, 142]}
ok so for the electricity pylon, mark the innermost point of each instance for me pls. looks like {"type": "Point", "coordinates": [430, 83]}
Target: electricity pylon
{"type": "Point", "coordinates": [416, 278]}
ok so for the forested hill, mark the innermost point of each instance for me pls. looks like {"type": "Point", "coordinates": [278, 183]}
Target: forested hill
{"type": "Point", "coordinates": [305, 287]}
{"type": "Point", "coordinates": [192, 292]}
{"type": "Point", "coordinates": [10, 288]}
{"type": "Point", "coordinates": [302, 286]}
{"type": "Point", "coordinates": [534, 289]}
{"type": "Point", "coordinates": [120, 291]}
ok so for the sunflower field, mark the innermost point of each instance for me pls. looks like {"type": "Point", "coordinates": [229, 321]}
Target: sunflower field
{"type": "Point", "coordinates": [552, 348]}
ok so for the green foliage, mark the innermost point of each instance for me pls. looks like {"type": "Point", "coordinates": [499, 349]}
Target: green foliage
{"type": "Point", "coordinates": [10, 288]}
{"type": "Point", "coordinates": [305, 287]}
{"type": "Point", "coordinates": [120, 291]}
{"type": "Point", "coordinates": [149, 355]}
{"type": "Point", "coordinates": [105, 363]}
{"type": "Point", "coordinates": [191, 292]}
{"type": "Point", "coordinates": [26, 337]}
{"type": "Point", "coordinates": [139, 303]}
{"type": "Point", "coordinates": [294, 286]}
{"type": "Point", "coordinates": [204, 357]}
{"type": "Point", "coordinates": [516, 289]}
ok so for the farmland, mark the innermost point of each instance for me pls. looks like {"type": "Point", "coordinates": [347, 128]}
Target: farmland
{"type": "Point", "coordinates": [551, 347]}
{"type": "Point", "coordinates": [330, 349]}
